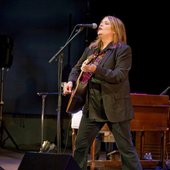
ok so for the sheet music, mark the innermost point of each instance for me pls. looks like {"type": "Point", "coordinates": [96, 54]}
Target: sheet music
{"type": "Point", "coordinates": [75, 120]}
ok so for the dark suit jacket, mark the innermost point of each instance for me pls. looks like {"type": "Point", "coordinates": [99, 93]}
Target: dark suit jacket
{"type": "Point", "coordinates": [112, 75]}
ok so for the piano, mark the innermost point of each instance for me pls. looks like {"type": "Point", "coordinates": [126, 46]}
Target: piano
{"type": "Point", "coordinates": [150, 110]}
{"type": "Point", "coordinates": [152, 121]}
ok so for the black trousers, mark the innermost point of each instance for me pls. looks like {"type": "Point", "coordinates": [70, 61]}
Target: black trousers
{"type": "Point", "coordinates": [89, 129]}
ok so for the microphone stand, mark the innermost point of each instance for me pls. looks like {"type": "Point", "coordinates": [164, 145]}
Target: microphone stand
{"type": "Point", "coordinates": [165, 91]}
{"type": "Point", "coordinates": [2, 124]}
{"type": "Point", "coordinates": [59, 56]}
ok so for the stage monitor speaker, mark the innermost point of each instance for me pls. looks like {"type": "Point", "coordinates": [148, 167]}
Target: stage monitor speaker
{"type": "Point", "coordinates": [47, 161]}
{"type": "Point", "coordinates": [1, 168]}
{"type": "Point", "coordinates": [6, 46]}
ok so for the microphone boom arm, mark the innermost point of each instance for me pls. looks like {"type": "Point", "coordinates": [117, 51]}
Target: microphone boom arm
{"type": "Point", "coordinates": [63, 47]}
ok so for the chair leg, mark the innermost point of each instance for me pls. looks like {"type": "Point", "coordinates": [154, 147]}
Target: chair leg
{"type": "Point", "coordinates": [74, 132]}
{"type": "Point", "coordinates": [93, 148]}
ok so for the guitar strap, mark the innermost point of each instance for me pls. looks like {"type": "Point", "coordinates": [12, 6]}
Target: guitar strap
{"type": "Point", "coordinates": [99, 57]}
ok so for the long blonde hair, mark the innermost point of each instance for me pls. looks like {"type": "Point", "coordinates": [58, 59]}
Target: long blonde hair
{"type": "Point", "coordinates": [119, 36]}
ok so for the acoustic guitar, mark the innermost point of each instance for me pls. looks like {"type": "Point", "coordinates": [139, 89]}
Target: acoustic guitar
{"type": "Point", "coordinates": [77, 98]}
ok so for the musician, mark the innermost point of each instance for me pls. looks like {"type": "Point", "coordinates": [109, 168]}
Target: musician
{"type": "Point", "coordinates": [108, 92]}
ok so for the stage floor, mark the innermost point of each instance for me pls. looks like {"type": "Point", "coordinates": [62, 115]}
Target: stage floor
{"type": "Point", "coordinates": [11, 159]}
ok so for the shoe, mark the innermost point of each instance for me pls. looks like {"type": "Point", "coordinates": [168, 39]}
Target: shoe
{"type": "Point", "coordinates": [48, 147]}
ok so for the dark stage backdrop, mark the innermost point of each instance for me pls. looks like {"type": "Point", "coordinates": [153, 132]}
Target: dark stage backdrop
{"type": "Point", "coordinates": [40, 27]}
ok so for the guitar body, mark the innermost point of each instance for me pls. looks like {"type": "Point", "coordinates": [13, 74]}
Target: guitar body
{"type": "Point", "coordinates": [77, 98]}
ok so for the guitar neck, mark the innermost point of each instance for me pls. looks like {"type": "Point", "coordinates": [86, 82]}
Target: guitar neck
{"type": "Point", "coordinates": [78, 79]}
{"type": "Point", "coordinates": [88, 60]}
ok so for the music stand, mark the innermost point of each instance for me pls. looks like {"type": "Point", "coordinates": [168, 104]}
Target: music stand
{"type": "Point", "coordinates": [43, 97]}
{"type": "Point", "coordinates": [2, 124]}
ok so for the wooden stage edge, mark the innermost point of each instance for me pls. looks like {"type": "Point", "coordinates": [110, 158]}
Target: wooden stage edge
{"type": "Point", "coordinates": [117, 163]}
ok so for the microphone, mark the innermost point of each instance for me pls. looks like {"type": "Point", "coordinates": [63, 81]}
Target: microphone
{"type": "Point", "coordinates": [93, 25]}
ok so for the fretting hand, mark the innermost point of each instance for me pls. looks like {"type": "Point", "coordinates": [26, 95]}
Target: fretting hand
{"type": "Point", "coordinates": [88, 67]}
